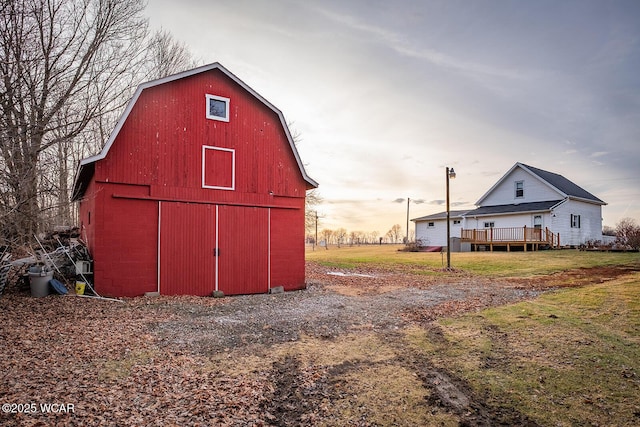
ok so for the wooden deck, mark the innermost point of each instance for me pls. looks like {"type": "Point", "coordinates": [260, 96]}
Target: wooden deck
{"type": "Point", "coordinates": [525, 237]}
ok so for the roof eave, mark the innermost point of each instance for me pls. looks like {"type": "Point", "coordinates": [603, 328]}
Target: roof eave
{"type": "Point", "coordinates": [592, 201]}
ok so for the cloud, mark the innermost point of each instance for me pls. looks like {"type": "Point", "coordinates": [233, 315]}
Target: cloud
{"type": "Point", "coordinates": [401, 45]}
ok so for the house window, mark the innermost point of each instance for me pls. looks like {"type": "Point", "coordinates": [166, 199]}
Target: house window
{"type": "Point", "coordinates": [519, 189]}
{"type": "Point", "coordinates": [431, 224]}
{"type": "Point", "coordinates": [575, 221]}
{"type": "Point", "coordinates": [217, 108]}
{"type": "Point", "coordinates": [489, 224]}
{"type": "Point", "coordinates": [456, 221]}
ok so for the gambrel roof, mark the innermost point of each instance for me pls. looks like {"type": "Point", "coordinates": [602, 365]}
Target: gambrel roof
{"type": "Point", "coordinates": [87, 166]}
{"type": "Point", "coordinates": [564, 187]}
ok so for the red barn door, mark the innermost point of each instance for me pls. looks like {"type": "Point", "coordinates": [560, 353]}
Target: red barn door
{"type": "Point", "coordinates": [187, 243]}
{"type": "Point", "coordinates": [206, 247]}
{"type": "Point", "coordinates": [243, 250]}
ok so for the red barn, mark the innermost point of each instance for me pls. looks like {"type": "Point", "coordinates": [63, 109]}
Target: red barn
{"type": "Point", "coordinates": [199, 188]}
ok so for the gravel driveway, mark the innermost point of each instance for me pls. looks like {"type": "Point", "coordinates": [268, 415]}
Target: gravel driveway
{"type": "Point", "coordinates": [333, 304]}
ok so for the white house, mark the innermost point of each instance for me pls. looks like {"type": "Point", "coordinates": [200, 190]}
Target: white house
{"type": "Point", "coordinates": [528, 207]}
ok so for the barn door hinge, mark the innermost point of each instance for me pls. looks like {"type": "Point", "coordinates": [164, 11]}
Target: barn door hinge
{"type": "Point", "coordinates": [216, 251]}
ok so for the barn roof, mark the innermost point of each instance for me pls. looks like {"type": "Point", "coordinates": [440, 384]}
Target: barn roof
{"type": "Point", "coordinates": [86, 167]}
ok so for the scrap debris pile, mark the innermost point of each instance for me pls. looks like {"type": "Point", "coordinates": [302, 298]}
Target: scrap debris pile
{"type": "Point", "coordinates": [60, 251]}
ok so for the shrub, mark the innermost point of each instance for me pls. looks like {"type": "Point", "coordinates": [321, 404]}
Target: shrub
{"type": "Point", "coordinates": [628, 233]}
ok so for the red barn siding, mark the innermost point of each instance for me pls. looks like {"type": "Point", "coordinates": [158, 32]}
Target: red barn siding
{"type": "Point", "coordinates": [187, 241]}
{"type": "Point", "coordinates": [287, 242]}
{"type": "Point", "coordinates": [243, 250]}
{"type": "Point", "coordinates": [153, 225]}
{"type": "Point", "coordinates": [87, 213]}
{"type": "Point", "coordinates": [125, 254]}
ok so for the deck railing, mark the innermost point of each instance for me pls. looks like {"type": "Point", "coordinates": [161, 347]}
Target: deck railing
{"type": "Point", "coordinates": [514, 235]}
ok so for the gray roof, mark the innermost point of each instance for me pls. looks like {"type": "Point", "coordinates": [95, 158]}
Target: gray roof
{"type": "Point", "coordinates": [494, 210]}
{"type": "Point", "coordinates": [442, 215]}
{"type": "Point", "coordinates": [563, 184]}
{"type": "Point", "coordinates": [513, 208]}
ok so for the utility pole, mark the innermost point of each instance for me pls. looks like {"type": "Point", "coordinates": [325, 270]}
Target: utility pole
{"type": "Point", "coordinates": [451, 174]}
{"type": "Point", "coordinates": [406, 239]}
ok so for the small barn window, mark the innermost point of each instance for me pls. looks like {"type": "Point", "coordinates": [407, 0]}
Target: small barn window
{"type": "Point", "coordinates": [489, 224]}
{"type": "Point", "coordinates": [218, 168]}
{"type": "Point", "coordinates": [519, 189]}
{"type": "Point", "coordinates": [456, 221]}
{"type": "Point", "coordinates": [217, 108]}
{"type": "Point", "coordinates": [431, 224]}
{"type": "Point", "coordinates": [575, 221]}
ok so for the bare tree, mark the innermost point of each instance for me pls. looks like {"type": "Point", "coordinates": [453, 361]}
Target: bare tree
{"type": "Point", "coordinates": [167, 56]}
{"type": "Point", "coordinates": [395, 233]}
{"type": "Point", "coordinates": [340, 234]}
{"type": "Point", "coordinates": [628, 233]}
{"type": "Point", "coordinates": [326, 236]}
{"type": "Point", "coordinates": [312, 201]}
{"type": "Point", "coordinates": [64, 64]}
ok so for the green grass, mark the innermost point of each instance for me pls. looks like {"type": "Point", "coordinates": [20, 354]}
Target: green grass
{"type": "Point", "coordinates": [571, 357]}
{"type": "Point", "coordinates": [498, 264]}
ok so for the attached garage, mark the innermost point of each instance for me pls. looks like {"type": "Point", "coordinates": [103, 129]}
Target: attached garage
{"type": "Point", "coordinates": [199, 188]}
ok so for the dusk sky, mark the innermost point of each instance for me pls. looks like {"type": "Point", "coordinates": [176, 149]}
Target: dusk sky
{"type": "Point", "coordinates": [385, 95]}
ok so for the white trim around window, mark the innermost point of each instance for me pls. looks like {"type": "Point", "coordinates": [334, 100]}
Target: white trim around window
{"type": "Point", "coordinates": [217, 108]}
{"type": "Point", "coordinates": [232, 171]}
{"type": "Point", "coordinates": [519, 189]}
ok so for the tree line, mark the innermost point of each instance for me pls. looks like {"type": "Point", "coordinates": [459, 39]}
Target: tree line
{"type": "Point", "coordinates": [342, 237]}
{"type": "Point", "coordinates": [67, 69]}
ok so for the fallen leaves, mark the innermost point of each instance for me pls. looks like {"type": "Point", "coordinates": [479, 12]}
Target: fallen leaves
{"type": "Point", "coordinates": [100, 357]}
{"type": "Point", "coordinates": [175, 360]}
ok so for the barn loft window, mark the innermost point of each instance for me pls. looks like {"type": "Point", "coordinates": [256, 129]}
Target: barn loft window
{"type": "Point", "coordinates": [217, 108]}
{"type": "Point", "coordinates": [575, 221]}
{"type": "Point", "coordinates": [519, 189]}
{"type": "Point", "coordinates": [218, 168]}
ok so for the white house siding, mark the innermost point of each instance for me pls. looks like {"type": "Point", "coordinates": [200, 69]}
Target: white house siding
{"type": "Point", "coordinates": [590, 222]}
{"type": "Point", "coordinates": [535, 190]}
{"type": "Point", "coordinates": [436, 235]}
